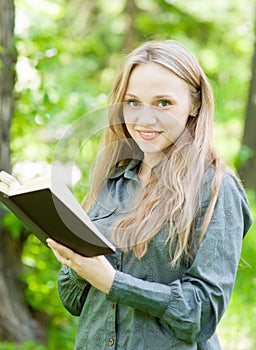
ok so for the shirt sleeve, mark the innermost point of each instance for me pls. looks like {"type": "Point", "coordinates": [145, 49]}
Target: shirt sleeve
{"type": "Point", "coordinates": [191, 307]}
{"type": "Point", "coordinates": [72, 290]}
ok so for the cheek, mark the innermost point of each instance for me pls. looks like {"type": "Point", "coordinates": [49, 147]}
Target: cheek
{"type": "Point", "coordinates": [174, 128]}
{"type": "Point", "coordinates": [129, 125]}
{"type": "Point", "coordinates": [130, 117]}
{"type": "Point", "coordinates": [178, 120]}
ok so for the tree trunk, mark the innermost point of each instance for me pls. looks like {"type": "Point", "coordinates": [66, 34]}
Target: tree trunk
{"type": "Point", "coordinates": [7, 60]}
{"type": "Point", "coordinates": [247, 170]}
{"type": "Point", "coordinates": [131, 35]}
{"type": "Point", "coordinates": [16, 322]}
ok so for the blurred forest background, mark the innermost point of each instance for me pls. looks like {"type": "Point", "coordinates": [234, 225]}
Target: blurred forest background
{"type": "Point", "coordinates": [58, 61]}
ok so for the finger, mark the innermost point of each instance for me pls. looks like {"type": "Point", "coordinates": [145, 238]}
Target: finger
{"type": "Point", "coordinates": [62, 259]}
{"type": "Point", "coordinates": [63, 250]}
{"type": "Point", "coordinates": [59, 256]}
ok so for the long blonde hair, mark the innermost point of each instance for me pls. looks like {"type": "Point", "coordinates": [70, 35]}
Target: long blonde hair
{"type": "Point", "coordinates": [173, 192]}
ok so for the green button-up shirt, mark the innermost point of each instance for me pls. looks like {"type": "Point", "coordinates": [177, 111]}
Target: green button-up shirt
{"type": "Point", "coordinates": [152, 305]}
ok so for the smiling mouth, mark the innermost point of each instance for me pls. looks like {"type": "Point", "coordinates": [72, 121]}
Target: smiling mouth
{"type": "Point", "coordinates": [149, 134]}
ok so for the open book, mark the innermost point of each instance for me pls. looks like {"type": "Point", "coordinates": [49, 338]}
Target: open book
{"type": "Point", "coordinates": [49, 209]}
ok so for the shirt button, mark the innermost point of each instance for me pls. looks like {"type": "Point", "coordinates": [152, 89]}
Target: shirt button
{"type": "Point", "coordinates": [111, 341]}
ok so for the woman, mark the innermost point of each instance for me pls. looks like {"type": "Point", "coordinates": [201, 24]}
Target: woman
{"type": "Point", "coordinates": [176, 214]}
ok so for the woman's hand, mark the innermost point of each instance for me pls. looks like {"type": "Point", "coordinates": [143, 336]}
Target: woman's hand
{"type": "Point", "coordinates": [97, 270]}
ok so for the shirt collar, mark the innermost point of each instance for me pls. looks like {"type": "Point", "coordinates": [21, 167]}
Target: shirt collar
{"type": "Point", "coordinates": [129, 170]}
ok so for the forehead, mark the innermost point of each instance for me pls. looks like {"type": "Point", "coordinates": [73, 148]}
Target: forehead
{"type": "Point", "coordinates": [156, 78]}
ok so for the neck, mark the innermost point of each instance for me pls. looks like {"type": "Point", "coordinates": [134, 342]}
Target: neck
{"type": "Point", "coordinates": [144, 173]}
{"type": "Point", "coordinates": [146, 167]}
{"type": "Point", "coordinates": [150, 160]}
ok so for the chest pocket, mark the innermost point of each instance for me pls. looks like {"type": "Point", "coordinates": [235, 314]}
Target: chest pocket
{"type": "Point", "coordinates": [103, 218]}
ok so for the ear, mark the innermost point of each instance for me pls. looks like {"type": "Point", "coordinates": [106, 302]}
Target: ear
{"type": "Point", "coordinates": [194, 114]}
{"type": "Point", "coordinates": [194, 111]}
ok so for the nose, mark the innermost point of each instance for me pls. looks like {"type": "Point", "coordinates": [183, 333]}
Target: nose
{"type": "Point", "coordinates": [147, 115]}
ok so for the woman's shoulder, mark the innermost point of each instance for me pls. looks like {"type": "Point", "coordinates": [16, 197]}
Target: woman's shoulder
{"type": "Point", "coordinates": [229, 180]}
{"type": "Point", "coordinates": [231, 193]}
{"type": "Point", "coordinates": [228, 185]}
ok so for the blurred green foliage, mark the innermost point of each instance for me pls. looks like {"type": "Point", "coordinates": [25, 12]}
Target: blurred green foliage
{"type": "Point", "coordinates": [29, 345]}
{"type": "Point", "coordinates": [68, 55]}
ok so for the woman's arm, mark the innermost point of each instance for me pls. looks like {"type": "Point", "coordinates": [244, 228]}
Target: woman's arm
{"type": "Point", "coordinates": [72, 290]}
{"type": "Point", "coordinates": [79, 274]}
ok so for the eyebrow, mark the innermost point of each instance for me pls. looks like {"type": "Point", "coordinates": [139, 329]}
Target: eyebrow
{"type": "Point", "coordinates": [131, 95]}
{"type": "Point", "coordinates": [154, 97]}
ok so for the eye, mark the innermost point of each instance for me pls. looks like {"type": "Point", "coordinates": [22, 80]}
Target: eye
{"type": "Point", "coordinates": [133, 103]}
{"type": "Point", "coordinates": [163, 103]}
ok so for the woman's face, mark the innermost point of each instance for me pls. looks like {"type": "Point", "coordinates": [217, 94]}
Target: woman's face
{"type": "Point", "coordinates": [156, 107]}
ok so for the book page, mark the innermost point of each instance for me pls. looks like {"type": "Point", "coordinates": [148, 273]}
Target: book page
{"type": "Point", "coordinates": [35, 184]}
{"type": "Point", "coordinates": [10, 186]}
{"type": "Point", "coordinates": [8, 183]}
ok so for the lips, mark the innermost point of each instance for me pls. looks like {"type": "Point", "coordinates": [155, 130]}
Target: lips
{"type": "Point", "coordinates": [149, 134]}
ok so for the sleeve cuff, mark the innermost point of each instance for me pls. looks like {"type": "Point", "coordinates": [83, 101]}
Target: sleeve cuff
{"type": "Point", "coordinates": [75, 278]}
{"type": "Point", "coordinates": [150, 297]}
